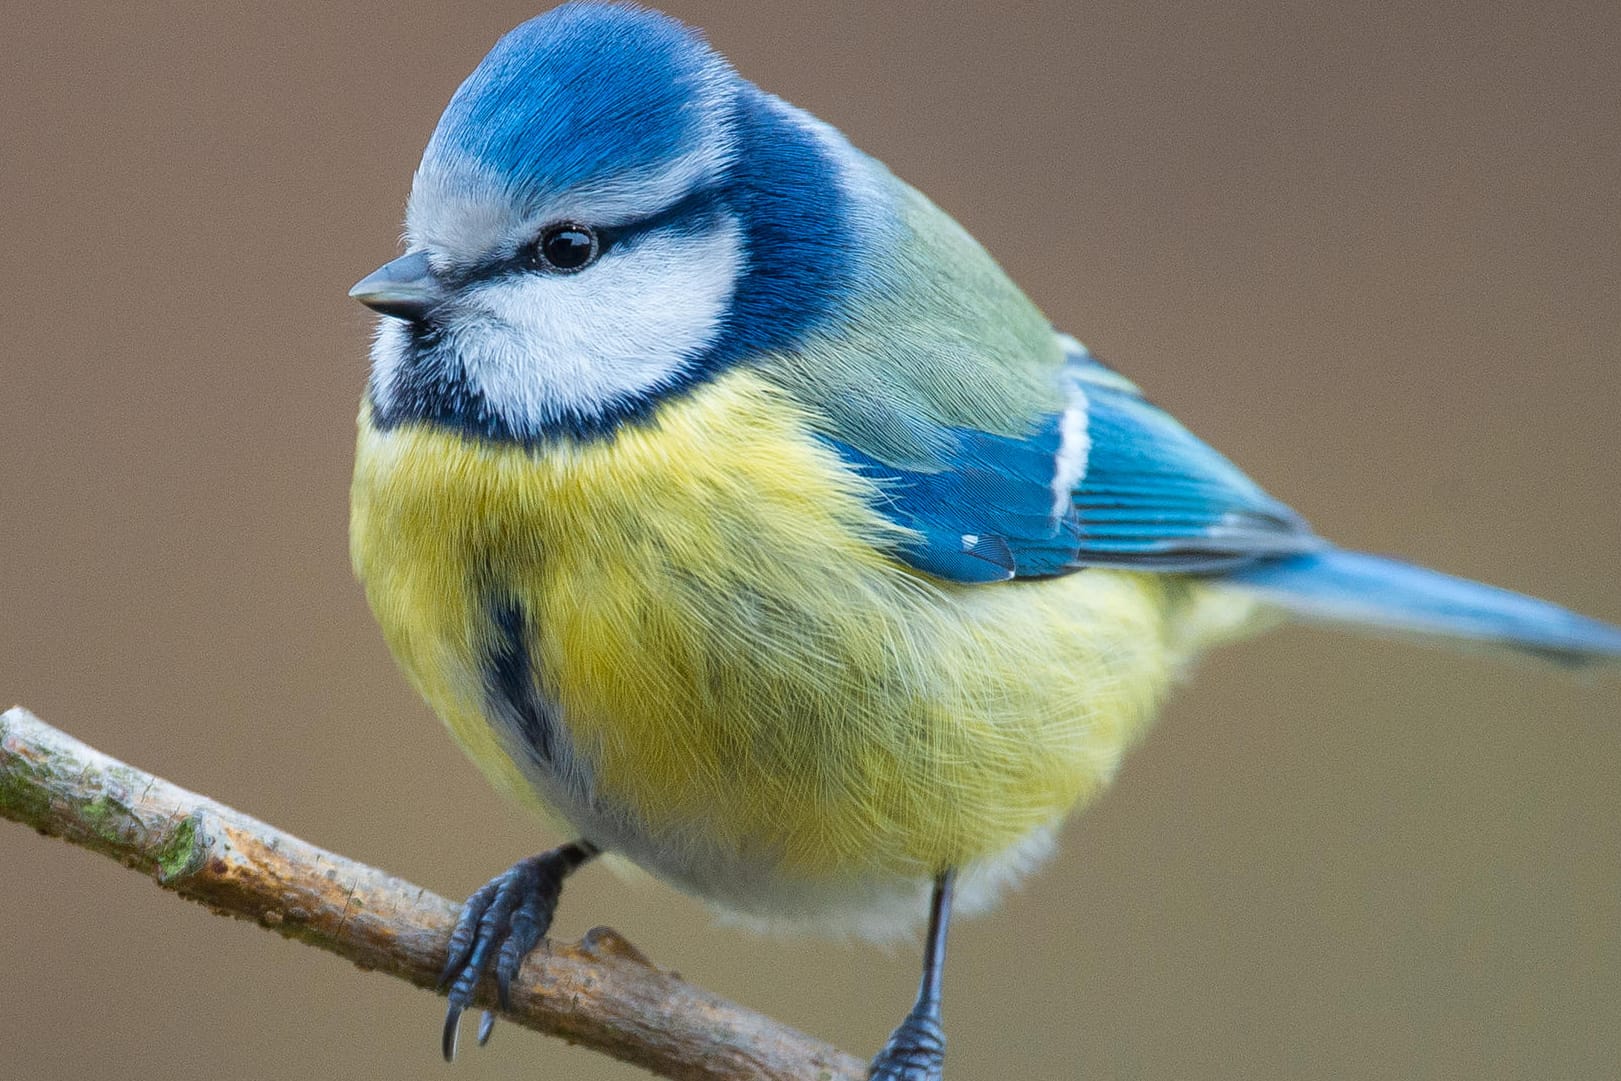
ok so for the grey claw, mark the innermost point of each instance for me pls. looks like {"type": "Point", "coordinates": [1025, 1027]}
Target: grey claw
{"type": "Point", "coordinates": [486, 1025]}
{"type": "Point", "coordinates": [447, 1042]}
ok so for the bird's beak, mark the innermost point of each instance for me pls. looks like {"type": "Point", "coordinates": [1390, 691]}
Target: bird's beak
{"type": "Point", "coordinates": [404, 288]}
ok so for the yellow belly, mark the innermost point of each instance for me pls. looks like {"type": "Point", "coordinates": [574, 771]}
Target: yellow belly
{"type": "Point", "coordinates": [740, 673]}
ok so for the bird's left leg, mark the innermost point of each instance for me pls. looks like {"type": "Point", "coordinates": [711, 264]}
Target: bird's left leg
{"type": "Point", "coordinates": [916, 1050]}
{"type": "Point", "coordinates": [506, 917]}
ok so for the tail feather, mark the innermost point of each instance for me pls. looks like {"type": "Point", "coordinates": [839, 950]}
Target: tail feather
{"type": "Point", "coordinates": [1372, 592]}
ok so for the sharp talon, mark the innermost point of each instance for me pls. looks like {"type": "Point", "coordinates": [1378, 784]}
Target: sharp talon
{"type": "Point", "coordinates": [486, 1025]}
{"type": "Point", "coordinates": [447, 1043]}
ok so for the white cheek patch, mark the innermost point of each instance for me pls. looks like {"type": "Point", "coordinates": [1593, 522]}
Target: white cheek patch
{"type": "Point", "coordinates": [541, 347]}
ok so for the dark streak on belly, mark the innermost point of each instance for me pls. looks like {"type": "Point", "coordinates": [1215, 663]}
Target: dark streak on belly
{"type": "Point", "coordinates": [515, 698]}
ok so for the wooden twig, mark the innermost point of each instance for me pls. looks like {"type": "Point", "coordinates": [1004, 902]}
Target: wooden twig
{"type": "Point", "coordinates": [600, 993]}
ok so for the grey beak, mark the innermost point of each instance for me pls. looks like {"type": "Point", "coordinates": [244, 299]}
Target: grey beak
{"type": "Point", "coordinates": [404, 288]}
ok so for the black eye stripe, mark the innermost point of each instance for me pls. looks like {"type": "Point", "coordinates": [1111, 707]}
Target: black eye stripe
{"type": "Point", "coordinates": [690, 213]}
{"type": "Point", "coordinates": [698, 206]}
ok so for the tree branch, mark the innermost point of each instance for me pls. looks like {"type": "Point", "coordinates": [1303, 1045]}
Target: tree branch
{"type": "Point", "coordinates": [600, 993]}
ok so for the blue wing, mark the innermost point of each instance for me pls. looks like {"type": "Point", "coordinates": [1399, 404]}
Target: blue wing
{"type": "Point", "coordinates": [1113, 481]}
{"type": "Point", "coordinates": [1110, 481]}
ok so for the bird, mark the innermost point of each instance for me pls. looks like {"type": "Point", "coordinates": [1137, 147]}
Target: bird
{"type": "Point", "coordinates": [736, 512]}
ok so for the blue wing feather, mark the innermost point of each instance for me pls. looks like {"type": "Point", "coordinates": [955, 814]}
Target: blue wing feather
{"type": "Point", "coordinates": [987, 516]}
{"type": "Point", "coordinates": [1154, 496]}
{"type": "Point", "coordinates": [1151, 496]}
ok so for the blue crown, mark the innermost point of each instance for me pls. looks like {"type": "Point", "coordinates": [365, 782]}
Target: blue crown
{"type": "Point", "coordinates": [583, 93]}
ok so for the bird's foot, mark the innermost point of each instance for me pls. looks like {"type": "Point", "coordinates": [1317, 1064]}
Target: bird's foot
{"type": "Point", "coordinates": [916, 1051]}
{"type": "Point", "coordinates": [507, 917]}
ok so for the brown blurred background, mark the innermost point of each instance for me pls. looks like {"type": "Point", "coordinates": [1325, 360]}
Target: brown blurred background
{"type": "Point", "coordinates": [1372, 252]}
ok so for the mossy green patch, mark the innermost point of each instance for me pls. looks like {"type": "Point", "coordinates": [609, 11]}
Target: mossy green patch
{"type": "Point", "coordinates": [22, 797]}
{"type": "Point", "coordinates": [178, 855]}
{"type": "Point", "coordinates": [107, 818]}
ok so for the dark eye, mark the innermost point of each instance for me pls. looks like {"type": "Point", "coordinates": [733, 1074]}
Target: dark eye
{"type": "Point", "coordinates": [566, 248]}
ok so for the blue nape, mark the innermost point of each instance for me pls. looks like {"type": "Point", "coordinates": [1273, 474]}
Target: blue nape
{"type": "Point", "coordinates": [802, 264]}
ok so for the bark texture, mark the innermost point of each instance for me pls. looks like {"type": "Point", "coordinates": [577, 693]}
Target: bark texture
{"type": "Point", "coordinates": [600, 992]}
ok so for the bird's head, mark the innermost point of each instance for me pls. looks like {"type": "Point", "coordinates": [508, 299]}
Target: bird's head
{"type": "Point", "coordinates": [606, 215]}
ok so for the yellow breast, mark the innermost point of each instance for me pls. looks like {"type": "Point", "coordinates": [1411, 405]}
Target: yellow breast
{"type": "Point", "coordinates": [734, 663]}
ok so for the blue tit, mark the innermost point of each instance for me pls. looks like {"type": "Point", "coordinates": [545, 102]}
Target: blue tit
{"type": "Point", "coordinates": [732, 507]}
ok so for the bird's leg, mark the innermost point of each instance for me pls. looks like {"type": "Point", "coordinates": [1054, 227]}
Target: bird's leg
{"type": "Point", "coordinates": [916, 1050]}
{"type": "Point", "coordinates": [509, 914]}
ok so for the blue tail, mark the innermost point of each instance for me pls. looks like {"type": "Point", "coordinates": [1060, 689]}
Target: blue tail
{"type": "Point", "coordinates": [1369, 591]}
